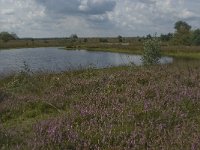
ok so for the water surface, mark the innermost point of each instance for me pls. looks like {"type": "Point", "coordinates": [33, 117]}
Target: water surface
{"type": "Point", "coordinates": [56, 59]}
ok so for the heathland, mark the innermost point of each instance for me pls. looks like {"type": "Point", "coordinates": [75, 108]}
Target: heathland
{"type": "Point", "coordinates": [125, 107]}
{"type": "Point", "coordinates": [146, 107]}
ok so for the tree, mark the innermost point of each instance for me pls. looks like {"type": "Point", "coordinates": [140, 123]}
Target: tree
{"type": "Point", "coordinates": [120, 39]}
{"type": "Point", "coordinates": [74, 37]}
{"type": "Point", "coordinates": [182, 26]}
{"type": "Point", "coordinates": [196, 37]}
{"type": "Point", "coordinates": [151, 53]}
{"type": "Point", "coordinates": [182, 35]}
{"type": "Point", "coordinates": [5, 36]}
{"type": "Point", "coordinates": [148, 36]}
{"type": "Point", "coordinates": [166, 37]}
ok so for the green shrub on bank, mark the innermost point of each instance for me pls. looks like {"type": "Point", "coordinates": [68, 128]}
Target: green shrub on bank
{"type": "Point", "coordinates": [151, 53]}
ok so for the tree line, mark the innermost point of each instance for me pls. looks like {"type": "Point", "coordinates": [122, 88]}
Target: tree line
{"type": "Point", "coordinates": [184, 35]}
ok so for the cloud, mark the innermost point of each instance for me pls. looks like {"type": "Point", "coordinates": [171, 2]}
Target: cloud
{"type": "Point", "coordinates": [45, 18]}
{"type": "Point", "coordinates": [150, 16]}
{"type": "Point", "coordinates": [59, 6]}
{"type": "Point", "coordinates": [96, 6]}
{"type": "Point", "coordinates": [90, 7]}
{"type": "Point", "coordinates": [17, 15]}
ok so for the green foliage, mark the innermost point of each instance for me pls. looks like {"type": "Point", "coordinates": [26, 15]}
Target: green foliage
{"type": "Point", "coordinates": [182, 35]}
{"type": "Point", "coordinates": [196, 37]}
{"type": "Point", "coordinates": [148, 36]}
{"type": "Point", "coordinates": [182, 26]}
{"type": "Point", "coordinates": [5, 36]}
{"type": "Point", "coordinates": [166, 37]}
{"type": "Point", "coordinates": [120, 39]}
{"type": "Point", "coordinates": [151, 53]}
{"type": "Point", "coordinates": [73, 37]}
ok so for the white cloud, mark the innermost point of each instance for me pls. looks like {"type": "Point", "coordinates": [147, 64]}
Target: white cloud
{"type": "Point", "coordinates": [143, 16]}
{"type": "Point", "coordinates": [44, 18]}
{"type": "Point", "coordinates": [18, 15]}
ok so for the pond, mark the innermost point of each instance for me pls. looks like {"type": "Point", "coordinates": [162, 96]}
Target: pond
{"type": "Point", "coordinates": [56, 59]}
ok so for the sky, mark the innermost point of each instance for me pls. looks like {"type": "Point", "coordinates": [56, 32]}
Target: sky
{"type": "Point", "coordinates": [94, 18]}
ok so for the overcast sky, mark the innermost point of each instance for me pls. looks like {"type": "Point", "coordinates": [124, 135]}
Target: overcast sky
{"type": "Point", "coordinates": [61, 18]}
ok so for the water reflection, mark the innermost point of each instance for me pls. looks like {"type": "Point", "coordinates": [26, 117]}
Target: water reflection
{"type": "Point", "coordinates": [55, 59]}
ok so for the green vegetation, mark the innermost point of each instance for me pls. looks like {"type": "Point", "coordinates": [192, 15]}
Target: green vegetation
{"type": "Point", "coordinates": [166, 38]}
{"type": "Point", "coordinates": [184, 43]}
{"type": "Point", "coordinates": [5, 36]}
{"type": "Point", "coordinates": [196, 37]}
{"type": "Point", "coordinates": [118, 108]}
{"type": "Point", "coordinates": [120, 38]}
{"type": "Point", "coordinates": [182, 34]}
{"type": "Point", "coordinates": [73, 38]}
{"type": "Point", "coordinates": [151, 54]}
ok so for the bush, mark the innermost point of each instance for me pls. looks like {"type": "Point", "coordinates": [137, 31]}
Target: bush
{"type": "Point", "coordinates": [151, 53]}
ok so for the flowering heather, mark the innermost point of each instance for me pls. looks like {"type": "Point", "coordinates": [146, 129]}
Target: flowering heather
{"type": "Point", "coordinates": [120, 108]}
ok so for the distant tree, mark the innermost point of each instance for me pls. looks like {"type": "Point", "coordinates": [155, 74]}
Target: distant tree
{"type": "Point", "coordinates": [120, 39]}
{"type": "Point", "coordinates": [74, 37]}
{"type": "Point", "coordinates": [32, 41]}
{"type": "Point", "coordinates": [182, 35]}
{"type": "Point", "coordinates": [182, 26]}
{"type": "Point", "coordinates": [196, 37]}
{"type": "Point", "coordinates": [85, 40]}
{"type": "Point", "coordinates": [148, 36]}
{"type": "Point", "coordinates": [103, 40]}
{"type": "Point", "coordinates": [5, 36]}
{"type": "Point", "coordinates": [166, 37]}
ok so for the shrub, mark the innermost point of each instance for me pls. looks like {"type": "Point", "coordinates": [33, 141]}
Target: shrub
{"type": "Point", "coordinates": [151, 53]}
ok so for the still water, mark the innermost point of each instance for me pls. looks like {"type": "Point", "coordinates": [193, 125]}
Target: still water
{"type": "Point", "coordinates": [57, 60]}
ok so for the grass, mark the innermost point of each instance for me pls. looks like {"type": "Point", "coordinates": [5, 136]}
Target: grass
{"type": "Point", "coordinates": [131, 46]}
{"type": "Point", "coordinates": [117, 108]}
{"type": "Point", "coordinates": [189, 52]}
{"type": "Point", "coordinates": [31, 43]}
{"type": "Point", "coordinates": [186, 55]}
